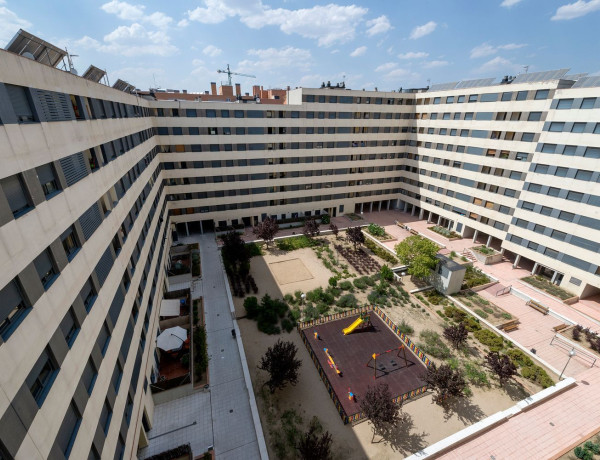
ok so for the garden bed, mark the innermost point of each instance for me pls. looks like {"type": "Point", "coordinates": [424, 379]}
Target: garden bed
{"type": "Point", "coordinates": [475, 277]}
{"type": "Point", "coordinates": [486, 255]}
{"type": "Point", "coordinates": [484, 308]}
{"type": "Point", "coordinates": [448, 234]}
{"type": "Point", "coordinates": [583, 337]}
{"type": "Point", "coordinates": [545, 285]}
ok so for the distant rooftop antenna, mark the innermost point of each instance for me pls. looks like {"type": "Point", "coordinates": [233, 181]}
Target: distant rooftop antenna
{"type": "Point", "coordinates": [526, 67]}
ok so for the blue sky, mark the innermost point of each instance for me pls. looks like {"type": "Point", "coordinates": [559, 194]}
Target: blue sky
{"type": "Point", "coordinates": [379, 43]}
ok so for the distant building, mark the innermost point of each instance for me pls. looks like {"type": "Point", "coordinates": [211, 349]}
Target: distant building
{"type": "Point", "coordinates": [225, 94]}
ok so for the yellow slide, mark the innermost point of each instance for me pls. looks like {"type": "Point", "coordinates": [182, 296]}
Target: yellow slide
{"type": "Point", "coordinates": [353, 326]}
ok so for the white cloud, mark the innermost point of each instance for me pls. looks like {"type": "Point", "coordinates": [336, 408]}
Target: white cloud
{"type": "Point", "coordinates": [509, 3]}
{"type": "Point", "coordinates": [423, 30]}
{"type": "Point", "coordinates": [10, 24]}
{"type": "Point", "coordinates": [141, 77]}
{"type": "Point", "coordinates": [413, 55]}
{"type": "Point", "coordinates": [434, 64]}
{"type": "Point", "coordinates": [212, 51]}
{"type": "Point", "coordinates": [358, 51]}
{"type": "Point", "coordinates": [327, 24]}
{"type": "Point", "coordinates": [131, 41]}
{"type": "Point", "coordinates": [378, 25]}
{"type": "Point", "coordinates": [498, 64]}
{"type": "Point", "coordinates": [576, 10]}
{"type": "Point", "coordinates": [403, 75]}
{"type": "Point", "coordinates": [273, 58]}
{"type": "Point", "coordinates": [385, 67]}
{"type": "Point", "coordinates": [485, 49]}
{"type": "Point", "coordinates": [136, 13]}
{"type": "Point", "coordinates": [183, 23]}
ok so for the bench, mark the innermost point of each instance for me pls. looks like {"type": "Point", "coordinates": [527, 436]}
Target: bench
{"type": "Point", "coordinates": [560, 327]}
{"type": "Point", "coordinates": [538, 306]}
{"type": "Point", "coordinates": [413, 231]}
{"type": "Point", "coordinates": [510, 326]}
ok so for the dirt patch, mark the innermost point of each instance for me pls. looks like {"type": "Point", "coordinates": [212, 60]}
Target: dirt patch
{"type": "Point", "coordinates": [290, 271]}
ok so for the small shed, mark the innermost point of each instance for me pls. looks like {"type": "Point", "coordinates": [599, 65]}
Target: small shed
{"type": "Point", "coordinates": [448, 275]}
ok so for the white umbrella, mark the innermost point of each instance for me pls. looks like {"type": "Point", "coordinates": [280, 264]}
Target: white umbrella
{"type": "Point", "coordinates": [171, 339]}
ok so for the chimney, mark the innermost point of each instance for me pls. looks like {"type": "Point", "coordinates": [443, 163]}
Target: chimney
{"type": "Point", "coordinates": [213, 88]}
{"type": "Point", "coordinates": [238, 89]}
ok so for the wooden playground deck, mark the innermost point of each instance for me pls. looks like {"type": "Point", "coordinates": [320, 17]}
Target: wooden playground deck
{"type": "Point", "coordinates": [353, 352]}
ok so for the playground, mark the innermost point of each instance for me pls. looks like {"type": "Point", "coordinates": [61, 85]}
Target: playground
{"type": "Point", "coordinates": [361, 351]}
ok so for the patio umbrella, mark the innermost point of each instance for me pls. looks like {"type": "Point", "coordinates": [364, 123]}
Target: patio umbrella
{"type": "Point", "coordinates": [172, 338]}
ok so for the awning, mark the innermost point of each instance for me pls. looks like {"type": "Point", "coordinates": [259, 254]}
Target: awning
{"type": "Point", "coordinates": [170, 307]}
{"type": "Point", "coordinates": [172, 338]}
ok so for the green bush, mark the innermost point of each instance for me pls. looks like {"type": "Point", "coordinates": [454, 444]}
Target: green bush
{"type": "Point", "coordinates": [474, 277]}
{"type": "Point", "coordinates": [455, 313]}
{"type": "Point", "coordinates": [251, 306]}
{"type": "Point", "coordinates": [488, 310]}
{"type": "Point", "coordinates": [376, 230]}
{"type": "Point", "coordinates": [333, 281]}
{"type": "Point", "coordinates": [493, 341]}
{"type": "Point", "coordinates": [537, 374]}
{"type": "Point", "coordinates": [481, 313]}
{"type": "Point", "coordinates": [325, 219]}
{"type": "Point", "coordinates": [200, 352]}
{"type": "Point", "coordinates": [322, 308]}
{"type": "Point", "coordinates": [405, 328]}
{"type": "Point", "coordinates": [453, 363]}
{"type": "Point", "coordinates": [347, 301]}
{"type": "Point", "coordinates": [475, 374]}
{"type": "Point", "coordinates": [360, 283]}
{"type": "Point", "coordinates": [253, 249]}
{"type": "Point", "coordinates": [346, 286]}
{"type": "Point", "coordinates": [294, 314]}
{"type": "Point", "coordinates": [310, 312]}
{"type": "Point", "coordinates": [583, 453]}
{"type": "Point", "coordinates": [593, 447]}
{"type": "Point", "coordinates": [386, 273]}
{"type": "Point", "coordinates": [471, 324]}
{"type": "Point", "coordinates": [506, 316]}
{"type": "Point", "coordinates": [371, 280]}
{"type": "Point", "coordinates": [376, 298]}
{"type": "Point", "coordinates": [433, 345]}
{"type": "Point", "coordinates": [519, 358]}
{"type": "Point", "coordinates": [434, 297]}
{"type": "Point", "coordinates": [318, 295]}
{"type": "Point", "coordinates": [296, 242]}
{"type": "Point", "coordinates": [380, 252]}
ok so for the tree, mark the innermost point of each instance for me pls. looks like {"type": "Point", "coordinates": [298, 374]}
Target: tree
{"type": "Point", "coordinates": [445, 381]}
{"type": "Point", "coordinates": [379, 408]}
{"type": "Point", "coordinates": [281, 364]}
{"type": "Point", "coordinates": [266, 230]}
{"type": "Point", "coordinates": [355, 236]}
{"type": "Point", "coordinates": [456, 335]}
{"type": "Point", "coordinates": [334, 229]}
{"type": "Point", "coordinates": [314, 444]}
{"type": "Point", "coordinates": [386, 273]}
{"type": "Point", "coordinates": [502, 366]}
{"type": "Point", "coordinates": [235, 254]}
{"type": "Point", "coordinates": [311, 228]}
{"type": "Point", "coordinates": [419, 254]}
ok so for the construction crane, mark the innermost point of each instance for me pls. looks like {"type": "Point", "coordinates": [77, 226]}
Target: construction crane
{"type": "Point", "coordinates": [230, 73]}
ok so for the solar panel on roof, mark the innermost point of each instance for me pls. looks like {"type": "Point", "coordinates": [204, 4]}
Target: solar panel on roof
{"type": "Point", "coordinates": [94, 74]}
{"type": "Point", "coordinates": [575, 76]}
{"type": "Point", "coordinates": [28, 45]}
{"type": "Point", "coordinates": [475, 83]}
{"type": "Point", "coordinates": [443, 86]}
{"type": "Point", "coordinates": [540, 76]}
{"type": "Point", "coordinates": [122, 85]}
{"type": "Point", "coordinates": [587, 82]}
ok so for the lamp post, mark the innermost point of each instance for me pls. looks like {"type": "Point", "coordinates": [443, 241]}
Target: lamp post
{"type": "Point", "coordinates": [571, 354]}
{"type": "Point", "coordinates": [302, 296]}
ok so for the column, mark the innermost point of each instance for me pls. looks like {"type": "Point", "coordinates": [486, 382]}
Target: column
{"type": "Point", "coordinates": [554, 276]}
{"type": "Point", "coordinates": [413, 211]}
{"type": "Point", "coordinates": [421, 214]}
{"type": "Point", "coordinates": [450, 224]}
{"type": "Point", "coordinates": [489, 241]}
{"type": "Point", "coordinates": [475, 233]}
{"type": "Point", "coordinates": [517, 260]}
{"type": "Point", "coordinates": [428, 217]}
{"type": "Point", "coordinates": [379, 206]}
{"type": "Point", "coordinates": [361, 208]}
{"type": "Point", "coordinates": [398, 203]}
{"type": "Point", "coordinates": [535, 267]}
{"type": "Point", "coordinates": [502, 251]}
{"type": "Point", "coordinates": [187, 229]}
{"type": "Point", "coordinates": [439, 220]}
{"type": "Point", "coordinates": [201, 228]}
{"type": "Point", "coordinates": [371, 206]}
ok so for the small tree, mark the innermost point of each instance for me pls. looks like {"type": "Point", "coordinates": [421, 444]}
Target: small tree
{"type": "Point", "coordinates": [445, 381]}
{"type": "Point", "coordinates": [419, 254]}
{"type": "Point", "coordinates": [281, 364]}
{"type": "Point", "coordinates": [379, 408]}
{"type": "Point", "coordinates": [314, 444]}
{"type": "Point", "coordinates": [355, 236]}
{"type": "Point", "coordinates": [311, 228]}
{"type": "Point", "coordinates": [334, 229]}
{"type": "Point", "coordinates": [456, 335]}
{"type": "Point", "coordinates": [386, 273]}
{"type": "Point", "coordinates": [502, 366]}
{"type": "Point", "coordinates": [266, 230]}
{"type": "Point", "coordinates": [234, 251]}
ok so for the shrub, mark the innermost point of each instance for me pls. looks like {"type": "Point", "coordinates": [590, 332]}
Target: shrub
{"type": "Point", "coordinates": [380, 252]}
{"type": "Point", "coordinates": [537, 374]}
{"type": "Point", "coordinates": [346, 286]}
{"type": "Point", "coordinates": [386, 273]}
{"type": "Point", "coordinates": [455, 313]}
{"type": "Point", "coordinates": [333, 281]}
{"type": "Point", "coordinates": [325, 219]}
{"type": "Point", "coordinates": [434, 297]}
{"type": "Point", "coordinates": [318, 295]}
{"type": "Point", "coordinates": [519, 358]}
{"type": "Point", "coordinates": [347, 301]}
{"type": "Point", "coordinates": [506, 316]}
{"type": "Point", "coordinates": [376, 230]}
{"type": "Point", "coordinates": [489, 339]}
{"type": "Point", "coordinates": [253, 249]}
{"type": "Point", "coordinates": [433, 344]}
{"type": "Point", "coordinates": [488, 310]}
{"type": "Point", "coordinates": [471, 324]}
{"type": "Point", "coordinates": [583, 453]}
{"type": "Point", "coordinates": [376, 298]}
{"type": "Point", "coordinates": [475, 374]}
{"type": "Point", "coordinates": [453, 255]}
{"type": "Point", "coordinates": [251, 306]}
{"type": "Point", "coordinates": [287, 325]}
{"type": "Point", "coordinates": [360, 283]}
{"type": "Point", "coordinates": [294, 314]}
{"type": "Point", "coordinates": [405, 328]}
{"type": "Point", "coordinates": [481, 313]}
{"type": "Point", "coordinates": [322, 308]}
{"type": "Point", "coordinates": [474, 277]}
{"type": "Point", "coordinates": [296, 242]}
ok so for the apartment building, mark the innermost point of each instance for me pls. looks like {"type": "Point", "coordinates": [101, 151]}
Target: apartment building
{"type": "Point", "coordinates": [94, 179]}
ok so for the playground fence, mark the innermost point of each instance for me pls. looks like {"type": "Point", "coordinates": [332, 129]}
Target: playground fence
{"type": "Point", "coordinates": [353, 418]}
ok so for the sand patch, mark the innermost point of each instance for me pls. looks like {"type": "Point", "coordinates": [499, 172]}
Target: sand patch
{"type": "Point", "coordinates": [290, 271]}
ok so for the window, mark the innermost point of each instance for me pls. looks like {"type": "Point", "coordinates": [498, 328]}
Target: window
{"type": "Point", "coordinates": [558, 235]}
{"type": "Point", "coordinates": [116, 377]}
{"type": "Point", "coordinates": [527, 137]}
{"type": "Point", "coordinates": [211, 113]}
{"type": "Point", "coordinates": [88, 295]}
{"type": "Point", "coordinates": [541, 169]}
{"type": "Point", "coordinates": [460, 99]}
{"type": "Point", "coordinates": [578, 127]}
{"type": "Point", "coordinates": [16, 194]}
{"type": "Point", "coordinates": [105, 417]}
{"type": "Point", "coordinates": [68, 430]}
{"type": "Point", "coordinates": [592, 152]}
{"type": "Point", "coordinates": [69, 326]}
{"type": "Point", "coordinates": [575, 196]}
{"type": "Point", "coordinates": [532, 245]}
{"type": "Point", "coordinates": [527, 206]}
{"type": "Point", "coordinates": [45, 268]}
{"type": "Point", "coordinates": [597, 128]}
{"type": "Point", "coordinates": [548, 148]}
{"type": "Point", "coordinates": [534, 116]}
{"type": "Point", "coordinates": [564, 104]}
{"type": "Point", "coordinates": [103, 339]}
{"type": "Point", "coordinates": [546, 211]}
{"type": "Point", "coordinates": [70, 243]}
{"type": "Point", "coordinates": [469, 115]}
{"type": "Point", "coordinates": [506, 96]}
{"type": "Point", "coordinates": [569, 150]}
{"type": "Point", "coordinates": [437, 100]}
{"type": "Point", "coordinates": [47, 179]}
{"type": "Point", "coordinates": [473, 97]}
{"type": "Point", "coordinates": [584, 175]}
{"type": "Point", "coordinates": [553, 191]}
{"type": "Point", "coordinates": [239, 113]}
{"type": "Point", "coordinates": [561, 172]}
{"type": "Point", "coordinates": [42, 376]}
{"type": "Point", "coordinates": [224, 113]}
{"type": "Point", "coordinates": [568, 216]}
{"type": "Point", "coordinates": [13, 308]}
{"type": "Point", "coordinates": [521, 95]}
{"type": "Point", "coordinates": [541, 94]}
{"type": "Point", "coordinates": [536, 188]}
{"type": "Point", "coordinates": [588, 102]}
